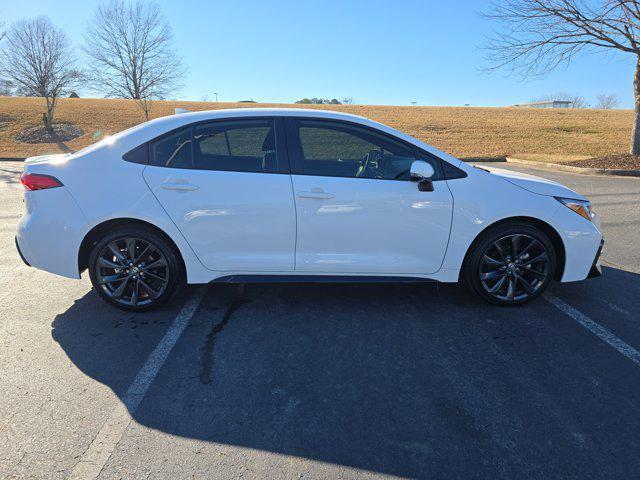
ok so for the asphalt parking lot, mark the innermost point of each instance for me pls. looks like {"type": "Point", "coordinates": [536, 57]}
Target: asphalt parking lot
{"type": "Point", "coordinates": [344, 381]}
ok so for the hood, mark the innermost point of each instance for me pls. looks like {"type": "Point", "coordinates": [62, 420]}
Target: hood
{"type": "Point", "coordinates": [538, 185]}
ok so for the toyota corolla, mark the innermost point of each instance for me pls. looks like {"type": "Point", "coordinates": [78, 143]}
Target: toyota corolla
{"type": "Point", "coordinates": [252, 195]}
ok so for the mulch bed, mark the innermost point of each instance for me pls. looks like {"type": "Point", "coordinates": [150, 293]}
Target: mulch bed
{"type": "Point", "coordinates": [623, 161]}
{"type": "Point", "coordinates": [62, 132]}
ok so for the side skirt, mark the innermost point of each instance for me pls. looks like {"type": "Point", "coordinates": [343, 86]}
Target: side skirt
{"type": "Point", "coordinates": [318, 279]}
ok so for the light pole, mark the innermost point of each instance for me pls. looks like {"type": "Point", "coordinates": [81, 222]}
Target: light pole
{"type": "Point", "coordinates": [216, 96]}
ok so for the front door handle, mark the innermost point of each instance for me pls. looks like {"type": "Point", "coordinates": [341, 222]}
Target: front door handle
{"type": "Point", "coordinates": [185, 187]}
{"type": "Point", "coordinates": [316, 193]}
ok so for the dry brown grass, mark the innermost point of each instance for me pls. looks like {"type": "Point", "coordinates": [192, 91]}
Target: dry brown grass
{"type": "Point", "coordinates": [461, 131]}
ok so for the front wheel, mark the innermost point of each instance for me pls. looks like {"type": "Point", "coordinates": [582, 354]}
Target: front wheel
{"type": "Point", "coordinates": [511, 264]}
{"type": "Point", "coordinates": [134, 268]}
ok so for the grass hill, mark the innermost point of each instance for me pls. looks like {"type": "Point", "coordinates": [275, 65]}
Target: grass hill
{"type": "Point", "coordinates": [466, 132]}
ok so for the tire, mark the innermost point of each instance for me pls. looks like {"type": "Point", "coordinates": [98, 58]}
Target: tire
{"type": "Point", "coordinates": [135, 269]}
{"type": "Point", "coordinates": [498, 276]}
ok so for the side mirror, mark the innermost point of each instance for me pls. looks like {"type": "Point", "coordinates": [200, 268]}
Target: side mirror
{"type": "Point", "coordinates": [422, 172]}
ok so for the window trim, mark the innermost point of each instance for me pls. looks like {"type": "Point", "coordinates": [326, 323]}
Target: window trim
{"type": "Point", "coordinates": [295, 148]}
{"type": "Point", "coordinates": [281, 145]}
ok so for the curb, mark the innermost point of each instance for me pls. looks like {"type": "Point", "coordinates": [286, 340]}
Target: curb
{"type": "Point", "coordinates": [571, 168]}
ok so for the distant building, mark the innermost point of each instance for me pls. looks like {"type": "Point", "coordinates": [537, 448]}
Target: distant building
{"type": "Point", "coordinates": [549, 104]}
{"type": "Point", "coordinates": [74, 95]}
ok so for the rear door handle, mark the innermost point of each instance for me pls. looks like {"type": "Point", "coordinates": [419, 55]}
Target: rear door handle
{"type": "Point", "coordinates": [185, 187]}
{"type": "Point", "coordinates": [314, 194]}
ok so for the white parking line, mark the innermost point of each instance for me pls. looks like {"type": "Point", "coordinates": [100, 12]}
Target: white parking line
{"type": "Point", "coordinates": [96, 456]}
{"type": "Point", "coordinates": [595, 328]}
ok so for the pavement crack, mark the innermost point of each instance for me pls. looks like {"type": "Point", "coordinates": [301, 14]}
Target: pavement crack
{"type": "Point", "coordinates": [209, 344]}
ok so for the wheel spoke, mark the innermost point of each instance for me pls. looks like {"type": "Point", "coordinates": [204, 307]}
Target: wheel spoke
{"type": "Point", "coordinates": [492, 275]}
{"type": "Point", "coordinates": [153, 275]}
{"type": "Point", "coordinates": [161, 262]}
{"type": "Point", "coordinates": [543, 257]}
{"type": "Point", "coordinates": [141, 256]}
{"type": "Point", "coordinates": [534, 272]}
{"type": "Point", "coordinates": [104, 263]}
{"type": "Point", "coordinates": [515, 243]}
{"type": "Point", "coordinates": [116, 252]}
{"type": "Point", "coordinates": [528, 247]}
{"type": "Point", "coordinates": [511, 290]}
{"type": "Point", "coordinates": [527, 286]}
{"type": "Point", "coordinates": [498, 285]}
{"type": "Point", "coordinates": [500, 250]}
{"type": "Point", "coordinates": [111, 279]}
{"type": "Point", "coordinates": [153, 293]}
{"type": "Point", "coordinates": [131, 247]}
{"type": "Point", "coordinates": [491, 261]}
{"type": "Point", "coordinates": [134, 295]}
{"type": "Point", "coordinates": [117, 293]}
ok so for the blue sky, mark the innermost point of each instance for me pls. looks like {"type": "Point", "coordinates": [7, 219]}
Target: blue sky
{"type": "Point", "coordinates": [378, 52]}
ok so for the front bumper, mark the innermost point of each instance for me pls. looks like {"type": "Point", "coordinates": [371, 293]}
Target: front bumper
{"type": "Point", "coordinates": [596, 269]}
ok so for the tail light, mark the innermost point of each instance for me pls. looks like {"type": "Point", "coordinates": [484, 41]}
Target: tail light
{"type": "Point", "coordinates": [37, 181]}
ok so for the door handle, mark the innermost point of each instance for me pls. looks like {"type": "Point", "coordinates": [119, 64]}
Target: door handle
{"type": "Point", "coordinates": [315, 194]}
{"type": "Point", "coordinates": [185, 187]}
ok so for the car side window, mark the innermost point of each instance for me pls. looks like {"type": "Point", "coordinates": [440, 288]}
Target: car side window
{"type": "Point", "coordinates": [173, 150]}
{"type": "Point", "coordinates": [234, 145]}
{"type": "Point", "coordinates": [240, 146]}
{"type": "Point", "coordinates": [340, 149]}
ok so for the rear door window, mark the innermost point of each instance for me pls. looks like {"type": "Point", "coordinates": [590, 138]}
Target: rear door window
{"type": "Point", "coordinates": [239, 146]}
{"type": "Point", "coordinates": [236, 145]}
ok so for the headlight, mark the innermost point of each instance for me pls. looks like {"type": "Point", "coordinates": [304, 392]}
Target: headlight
{"type": "Point", "coordinates": [581, 207]}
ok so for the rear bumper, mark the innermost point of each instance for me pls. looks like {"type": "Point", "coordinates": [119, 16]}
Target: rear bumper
{"type": "Point", "coordinates": [49, 234]}
{"type": "Point", "coordinates": [20, 253]}
{"type": "Point", "coordinates": [596, 269]}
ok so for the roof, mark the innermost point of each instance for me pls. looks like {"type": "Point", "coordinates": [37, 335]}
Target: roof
{"type": "Point", "coordinates": [161, 125]}
{"type": "Point", "coordinates": [270, 112]}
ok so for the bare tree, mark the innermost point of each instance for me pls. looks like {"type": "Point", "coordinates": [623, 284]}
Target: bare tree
{"type": "Point", "coordinates": [6, 87]}
{"type": "Point", "coordinates": [37, 59]}
{"type": "Point", "coordinates": [538, 35]}
{"type": "Point", "coordinates": [347, 100]}
{"type": "Point", "coordinates": [607, 102]}
{"type": "Point", "coordinates": [130, 45]}
{"type": "Point", "coordinates": [576, 100]}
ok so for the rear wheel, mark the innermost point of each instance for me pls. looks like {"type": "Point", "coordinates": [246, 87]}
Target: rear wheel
{"type": "Point", "coordinates": [511, 264]}
{"type": "Point", "coordinates": [135, 269]}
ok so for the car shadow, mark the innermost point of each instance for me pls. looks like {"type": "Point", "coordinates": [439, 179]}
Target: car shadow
{"type": "Point", "coordinates": [412, 380]}
{"type": "Point", "coordinates": [11, 175]}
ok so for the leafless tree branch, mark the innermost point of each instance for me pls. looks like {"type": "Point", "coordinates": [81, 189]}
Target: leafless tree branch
{"type": "Point", "coordinates": [607, 102]}
{"type": "Point", "coordinates": [535, 36]}
{"type": "Point", "coordinates": [131, 50]}
{"type": "Point", "coordinates": [37, 58]}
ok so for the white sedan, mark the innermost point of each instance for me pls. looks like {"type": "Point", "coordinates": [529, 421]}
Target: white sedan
{"type": "Point", "coordinates": [253, 195]}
